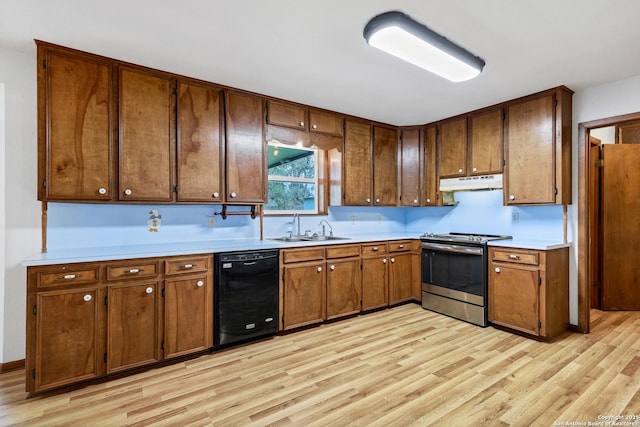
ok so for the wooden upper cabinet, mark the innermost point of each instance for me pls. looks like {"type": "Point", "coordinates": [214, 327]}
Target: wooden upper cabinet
{"type": "Point", "coordinates": [245, 149]}
{"type": "Point", "coordinates": [199, 145]}
{"type": "Point", "coordinates": [485, 142]}
{"type": "Point", "coordinates": [430, 195]}
{"type": "Point", "coordinates": [75, 110]}
{"type": "Point", "coordinates": [410, 167]}
{"type": "Point", "coordinates": [325, 122]}
{"type": "Point", "coordinates": [385, 166]}
{"type": "Point", "coordinates": [147, 123]}
{"type": "Point", "coordinates": [538, 149]}
{"type": "Point", "coordinates": [357, 162]}
{"type": "Point", "coordinates": [452, 148]}
{"type": "Point", "coordinates": [287, 114]}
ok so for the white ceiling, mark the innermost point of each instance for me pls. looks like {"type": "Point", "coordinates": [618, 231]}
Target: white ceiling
{"type": "Point", "coordinates": [313, 52]}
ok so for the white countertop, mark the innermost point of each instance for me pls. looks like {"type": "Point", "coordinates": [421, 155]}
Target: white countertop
{"type": "Point", "coordinates": [544, 245]}
{"type": "Point", "coordinates": [106, 253]}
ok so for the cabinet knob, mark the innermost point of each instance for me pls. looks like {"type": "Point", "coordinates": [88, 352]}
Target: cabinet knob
{"type": "Point", "coordinates": [301, 123]}
{"type": "Point", "coordinates": [215, 195]}
{"type": "Point", "coordinates": [128, 192]}
{"type": "Point", "coordinates": [233, 194]}
{"type": "Point", "coordinates": [415, 201]}
{"type": "Point", "coordinates": [384, 260]}
{"type": "Point", "coordinates": [87, 298]}
{"type": "Point", "coordinates": [333, 267]}
{"type": "Point", "coordinates": [401, 246]}
{"type": "Point", "coordinates": [149, 290]}
{"type": "Point", "coordinates": [428, 200]}
{"type": "Point", "coordinates": [475, 169]}
{"type": "Point", "coordinates": [102, 191]}
{"type": "Point", "coordinates": [368, 200]}
{"type": "Point", "coordinates": [497, 269]}
{"type": "Point", "coordinates": [319, 269]}
{"type": "Point", "coordinates": [460, 171]}
{"type": "Point", "coordinates": [377, 200]}
{"type": "Point", "coordinates": [314, 126]}
{"type": "Point", "coordinates": [393, 260]}
{"type": "Point", "coordinates": [200, 283]}
{"type": "Point", "coordinates": [512, 197]}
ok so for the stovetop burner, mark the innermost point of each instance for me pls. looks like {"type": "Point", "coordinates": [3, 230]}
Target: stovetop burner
{"type": "Point", "coordinates": [462, 237]}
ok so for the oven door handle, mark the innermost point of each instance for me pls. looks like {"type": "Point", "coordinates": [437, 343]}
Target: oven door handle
{"type": "Point", "coordinates": [453, 248]}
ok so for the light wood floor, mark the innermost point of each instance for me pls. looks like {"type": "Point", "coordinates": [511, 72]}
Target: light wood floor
{"type": "Point", "coordinates": [399, 367]}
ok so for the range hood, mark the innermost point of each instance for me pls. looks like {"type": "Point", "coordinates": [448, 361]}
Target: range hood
{"type": "Point", "coordinates": [467, 183]}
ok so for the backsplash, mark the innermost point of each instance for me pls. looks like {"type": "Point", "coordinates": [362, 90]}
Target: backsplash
{"type": "Point", "coordinates": [72, 225]}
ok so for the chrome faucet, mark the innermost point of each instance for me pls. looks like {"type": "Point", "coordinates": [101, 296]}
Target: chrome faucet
{"type": "Point", "coordinates": [323, 228]}
{"type": "Point", "coordinates": [293, 221]}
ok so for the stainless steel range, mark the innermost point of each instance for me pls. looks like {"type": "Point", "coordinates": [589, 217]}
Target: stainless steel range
{"type": "Point", "coordinates": [454, 274]}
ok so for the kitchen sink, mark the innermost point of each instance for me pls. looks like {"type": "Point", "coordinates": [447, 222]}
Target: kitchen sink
{"type": "Point", "coordinates": [304, 238]}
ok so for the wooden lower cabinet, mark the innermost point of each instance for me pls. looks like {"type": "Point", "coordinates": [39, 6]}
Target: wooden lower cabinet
{"type": "Point", "coordinates": [344, 287]}
{"type": "Point", "coordinates": [87, 320]}
{"type": "Point", "coordinates": [401, 287]}
{"type": "Point", "coordinates": [375, 282]}
{"type": "Point", "coordinates": [304, 294]}
{"type": "Point", "coordinates": [529, 290]}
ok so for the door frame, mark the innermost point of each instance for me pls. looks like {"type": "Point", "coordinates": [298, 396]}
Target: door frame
{"type": "Point", "coordinates": [584, 213]}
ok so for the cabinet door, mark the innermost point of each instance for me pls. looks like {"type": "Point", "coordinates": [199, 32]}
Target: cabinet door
{"type": "Point", "coordinates": [385, 166]}
{"type": "Point", "coordinates": [344, 288]}
{"type": "Point", "coordinates": [485, 142]}
{"type": "Point", "coordinates": [245, 149]}
{"type": "Point", "coordinates": [452, 156]}
{"type": "Point", "coordinates": [375, 283]}
{"type": "Point", "coordinates": [514, 297]}
{"type": "Point", "coordinates": [132, 325]}
{"type": "Point", "coordinates": [199, 148]}
{"type": "Point", "coordinates": [357, 164]}
{"type": "Point", "coordinates": [410, 167]}
{"type": "Point", "coordinates": [400, 278]}
{"type": "Point", "coordinates": [430, 175]}
{"type": "Point", "coordinates": [78, 150]}
{"type": "Point", "coordinates": [188, 315]}
{"type": "Point", "coordinates": [68, 342]}
{"type": "Point", "coordinates": [530, 152]}
{"type": "Point", "coordinates": [146, 136]}
{"type": "Point", "coordinates": [304, 301]}
{"type": "Point", "coordinates": [287, 115]}
{"type": "Point", "coordinates": [323, 122]}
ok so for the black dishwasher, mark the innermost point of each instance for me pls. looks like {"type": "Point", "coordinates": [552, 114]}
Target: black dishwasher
{"type": "Point", "coordinates": [246, 296]}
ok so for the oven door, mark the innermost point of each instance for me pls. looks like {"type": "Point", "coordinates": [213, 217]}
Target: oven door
{"type": "Point", "coordinates": [454, 271]}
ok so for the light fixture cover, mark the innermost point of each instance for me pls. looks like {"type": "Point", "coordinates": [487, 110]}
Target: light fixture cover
{"type": "Point", "coordinates": [399, 35]}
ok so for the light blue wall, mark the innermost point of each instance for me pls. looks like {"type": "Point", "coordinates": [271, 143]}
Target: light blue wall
{"type": "Point", "coordinates": [73, 225]}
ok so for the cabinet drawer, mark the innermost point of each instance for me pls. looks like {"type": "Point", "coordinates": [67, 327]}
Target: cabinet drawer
{"type": "Point", "coordinates": [371, 249]}
{"type": "Point", "coordinates": [186, 265]}
{"type": "Point", "coordinates": [400, 246]}
{"type": "Point", "coordinates": [343, 251]}
{"type": "Point", "coordinates": [296, 255]}
{"type": "Point", "coordinates": [132, 270]}
{"type": "Point", "coordinates": [519, 257]}
{"type": "Point", "coordinates": [67, 275]}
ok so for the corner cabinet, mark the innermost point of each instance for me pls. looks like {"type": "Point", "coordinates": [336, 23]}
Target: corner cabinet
{"type": "Point", "coordinates": [75, 119]}
{"type": "Point", "coordinates": [89, 320]}
{"type": "Point", "coordinates": [538, 149]}
{"type": "Point", "coordinates": [529, 290]}
{"type": "Point", "coordinates": [245, 149]}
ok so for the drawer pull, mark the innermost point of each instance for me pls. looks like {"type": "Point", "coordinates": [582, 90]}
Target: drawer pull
{"type": "Point", "coordinates": [511, 256]}
{"type": "Point", "coordinates": [374, 249]}
{"type": "Point", "coordinates": [87, 298]}
{"type": "Point", "coordinates": [187, 266]}
{"type": "Point", "coordinates": [69, 276]}
{"type": "Point", "coordinates": [149, 290]}
{"type": "Point", "coordinates": [497, 270]}
{"type": "Point", "coordinates": [133, 271]}
{"type": "Point", "coordinates": [200, 283]}
{"type": "Point", "coordinates": [401, 246]}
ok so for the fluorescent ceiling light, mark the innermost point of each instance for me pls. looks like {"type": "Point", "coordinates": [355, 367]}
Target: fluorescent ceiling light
{"type": "Point", "coordinates": [399, 35]}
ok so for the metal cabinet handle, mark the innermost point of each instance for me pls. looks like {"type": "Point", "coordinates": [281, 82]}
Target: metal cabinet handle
{"type": "Point", "coordinates": [133, 271]}
{"type": "Point", "coordinates": [497, 270]}
{"type": "Point", "coordinates": [200, 283]}
{"type": "Point", "coordinates": [384, 260]}
{"type": "Point", "coordinates": [87, 298]}
{"type": "Point", "coordinates": [149, 290]}
{"type": "Point", "coordinates": [377, 200]}
{"type": "Point", "coordinates": [374, 249]}
{"type": "Point", "coordinates": [393, 260]}
{"type": "Point", "coordinates": [102, 190]}
{"type": "Point", "coordinates": [460, 171]}
{"type": "Point", "coordinates": [428, 200]}
{"type": "Point", "coordinates": [128, 192]}
{"type": "Point", "coordinates": [333, 267]}
{"type": "Point", "coordinates": [511, 256]}
{"type": "Point", "coordinates": [401, 246]}
{"type": "Point", "coordinates": [69, 276]}
{"type": "Point", "coordinates": [314, 126]}
{"type": "Point", "coordinates": [368, 200]}
{"type": "Point", "coordinates": [187, 266]}
{"type": "Point", "coordinates": [215, 195]}
{"type": "Point", "coordinates": [319, 269]}
{"type": "Point", "coordinates": [301, 123]}
{"type": "Point", "coordinates": [512, 197]}
{"type": "Point", "coordinates": [415, 201]}
{"type": "Point", "coordinates": [475, 169]}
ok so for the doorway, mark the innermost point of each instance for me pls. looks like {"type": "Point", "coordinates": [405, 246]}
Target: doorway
{"type": "Point", "coordinates": [593, 210]}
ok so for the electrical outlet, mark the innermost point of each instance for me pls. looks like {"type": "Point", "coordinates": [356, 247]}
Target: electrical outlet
{"type": "Point", "coordinates": [515, 217]}
{"type": "Point", "coordinates": [212, 221]}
